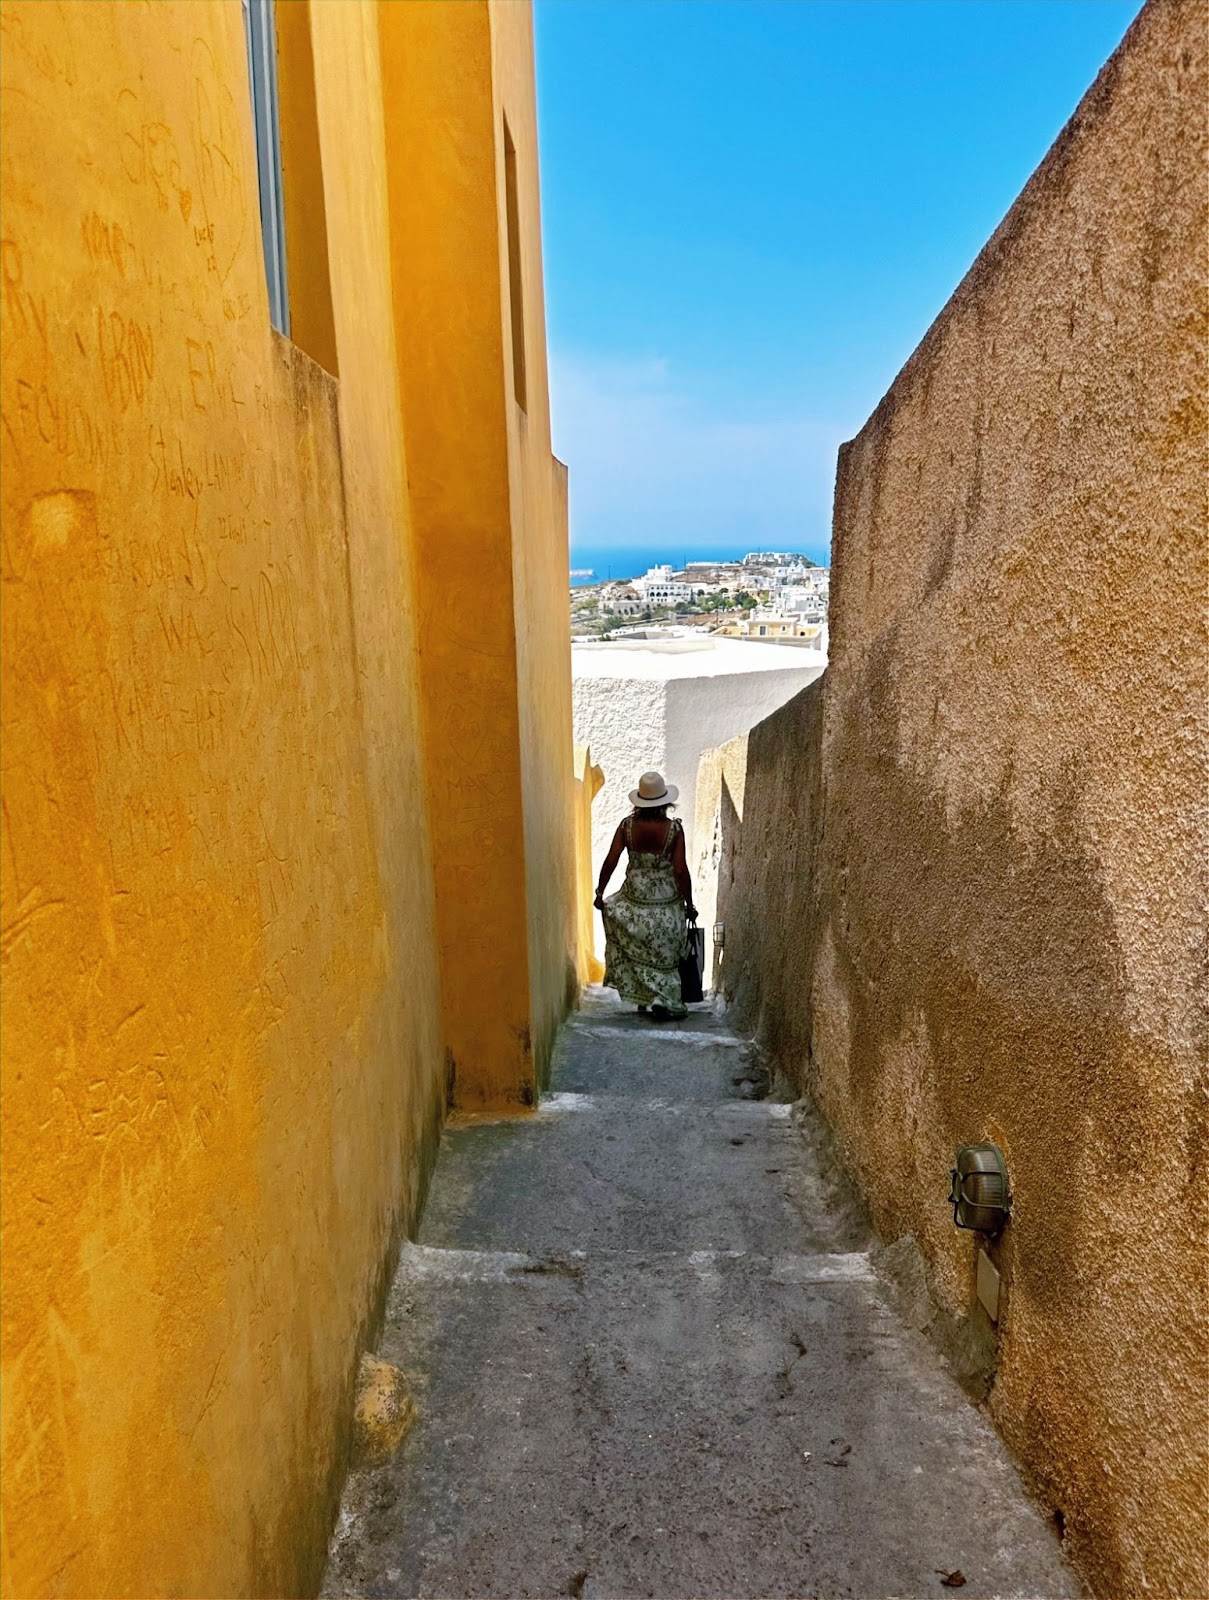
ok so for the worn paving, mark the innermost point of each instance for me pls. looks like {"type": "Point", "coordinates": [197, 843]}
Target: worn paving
{"type": "Point", "coordinates": [651, 1357]}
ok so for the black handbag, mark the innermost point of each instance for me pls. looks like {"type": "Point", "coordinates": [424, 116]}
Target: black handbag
{"type": "Point", "coordinates": [692, 964]}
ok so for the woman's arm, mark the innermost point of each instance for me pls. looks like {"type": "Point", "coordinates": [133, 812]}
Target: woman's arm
{"type": "Point", "coordinates": [610, 865]}
{"type": "Point", "coordinates": [684, 882]}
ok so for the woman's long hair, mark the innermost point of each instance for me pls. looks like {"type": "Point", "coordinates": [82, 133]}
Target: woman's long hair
{"type": "Point", "coordinates": [652, 811]}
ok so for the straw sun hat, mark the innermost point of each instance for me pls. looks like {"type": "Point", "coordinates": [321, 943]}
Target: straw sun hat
{"type": "Point", "coordinates": [652, 791]}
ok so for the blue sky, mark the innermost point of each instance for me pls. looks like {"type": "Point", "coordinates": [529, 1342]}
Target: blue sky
{"type": "Point", "coordinates": [752, 210]}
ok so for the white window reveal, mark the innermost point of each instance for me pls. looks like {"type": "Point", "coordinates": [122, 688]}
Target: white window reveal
{"type": "Point", "coordinates": [262, 72]}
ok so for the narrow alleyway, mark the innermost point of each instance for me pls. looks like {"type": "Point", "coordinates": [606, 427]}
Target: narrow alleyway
{"type": "Point", "coordinates": [651, 1357]}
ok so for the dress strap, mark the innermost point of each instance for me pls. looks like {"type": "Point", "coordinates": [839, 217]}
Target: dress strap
{"type": "Point", "coordinates": [627, 828]}
{"type": "Point", "coordinates": [673, 828]}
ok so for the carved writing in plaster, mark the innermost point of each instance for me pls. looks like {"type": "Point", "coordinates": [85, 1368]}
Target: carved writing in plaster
{"type": "Point", "coordinates": [234, 529]}
{"type": "Point", "coordinates": [107, 242]}
{"type": "Point", "coordinates": [24, 312]}
{"type": "Point", "coordinates": [37, 48]}
{"type": "Point", "coordinates": [170, 471]}
{"type": "Point", "coordinates": [206, 716]}
{"type": "Point", "coordinates": [127, 352]}
{"type": "Point", "coordinates": [265, 620]}
{"type": "Point", "coordinates": [227, 470]}
{"type": "Point", "coordinates": [30, 909]}
{"type": "Point", "coordinates": [149, 155]}
{"type": "Point", "coordinates": [56, 417]}
{"type": "Point", "coordinates": [216, 144]}
{"type": "Point", "coordinates": [182, 635]}
{"type": "Point", "coordinates": [211, 382]}
{"type": "Point", "coordinates": [188, 478]}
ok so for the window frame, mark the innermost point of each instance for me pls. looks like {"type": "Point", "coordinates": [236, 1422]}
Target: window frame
{"type": "Point", "coordinates": [261, 36]}
{"type": "Point", "coordinates": [516, 276]}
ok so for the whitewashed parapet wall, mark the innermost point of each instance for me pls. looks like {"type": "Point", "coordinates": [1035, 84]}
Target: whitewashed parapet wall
{"type": "Point", "coordinates": [657, 704]}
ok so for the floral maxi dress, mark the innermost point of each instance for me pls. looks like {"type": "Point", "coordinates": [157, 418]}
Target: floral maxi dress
{"type": "Point", "coordinates": [644, 928]}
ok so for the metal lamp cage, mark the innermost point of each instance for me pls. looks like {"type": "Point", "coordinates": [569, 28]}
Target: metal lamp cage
{"type": "Point", "coordinates": [980, 1193]}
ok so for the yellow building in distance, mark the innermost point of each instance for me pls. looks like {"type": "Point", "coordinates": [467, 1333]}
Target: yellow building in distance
{"type": "Point", "coordinates": [772, 628]}
{"type": "Point", "coordinates": [288, 832]}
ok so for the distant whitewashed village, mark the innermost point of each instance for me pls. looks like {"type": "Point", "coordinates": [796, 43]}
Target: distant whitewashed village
{"type": "Point", "coordinates": [776, 596]}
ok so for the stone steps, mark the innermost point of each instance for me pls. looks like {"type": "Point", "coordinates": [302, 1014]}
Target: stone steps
{"type": "Point", "coordinates": [651, 1356]}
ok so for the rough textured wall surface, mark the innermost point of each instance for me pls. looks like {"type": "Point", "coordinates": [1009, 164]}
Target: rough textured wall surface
{"type": "Point", "coordinates": [1001, 932]}
{"type": "Point", "coordinates": [705, 712]}
{"type": "Point", "coordinates": [759, 819]}
{"type": "Point", "coordinates": [222, 1070]}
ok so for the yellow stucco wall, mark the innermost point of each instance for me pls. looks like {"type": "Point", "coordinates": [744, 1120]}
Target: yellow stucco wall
{"type": "Point", "coordinates": [312, 317]}
{"type": "Point", "coordinates": [488, 513]}
{"type": "Point", "coordinates": [223, 1037]}
{"type": "Point", "coordinates": [541, 560]}
{"type": "Point", "coordinates": [589, 781]}
{"type": "Point", "coordinates": [986, 823]}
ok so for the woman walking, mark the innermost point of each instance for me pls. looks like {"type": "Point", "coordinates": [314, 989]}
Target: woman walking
{"type": "Point", "coordinates": [644, 921]}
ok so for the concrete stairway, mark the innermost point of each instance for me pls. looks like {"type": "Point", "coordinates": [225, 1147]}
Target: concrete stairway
{"type": "Point", "coordinates": [652, 1357]}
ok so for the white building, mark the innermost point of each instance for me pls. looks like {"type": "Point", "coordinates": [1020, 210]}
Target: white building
{"type": "Point", "coordinates": [767, 558]}
{"type": "Point", "coordinates": [658, 588]}
{"type": "Point", "coordinates": [668, 594]}
{"type": "Point", "coordinates": [621, 603]}
{"type": "Point", "coordinates": [643, 704]}
{"type": "Point", "coordinates": [816, 579]}
{"type": "Point", "coordinates": [798, 600]}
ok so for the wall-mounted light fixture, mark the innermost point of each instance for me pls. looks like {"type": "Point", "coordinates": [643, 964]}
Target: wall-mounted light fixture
{"type": "Point", "coordinates": [719, 934]}
{"type": "Point", "coordinates": [980, 1194]}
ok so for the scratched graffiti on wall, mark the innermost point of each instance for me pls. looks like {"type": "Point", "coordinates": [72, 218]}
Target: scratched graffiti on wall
{"type": "Point", "coordinates": [177, 648]}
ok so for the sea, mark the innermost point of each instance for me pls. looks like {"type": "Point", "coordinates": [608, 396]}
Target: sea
{"type": "Point", "coordinates": [600, 564]}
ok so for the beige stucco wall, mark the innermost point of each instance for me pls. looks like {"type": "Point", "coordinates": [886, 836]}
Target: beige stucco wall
{"type": "Point", "coordinates": [756, 870]}
{"type": "Point", "coordinates": [986, 825]}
